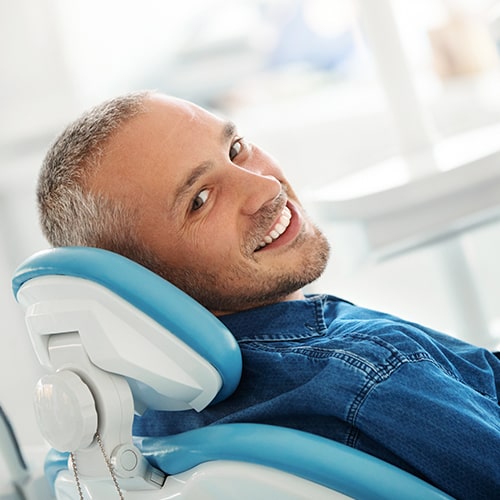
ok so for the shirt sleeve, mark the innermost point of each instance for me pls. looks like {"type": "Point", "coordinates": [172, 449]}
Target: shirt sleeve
{"type": "Point", "coordinates": [439, 425]}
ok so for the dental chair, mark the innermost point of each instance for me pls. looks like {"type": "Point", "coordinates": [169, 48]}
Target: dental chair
{"type": "Point", "coordinates": [117, 339]}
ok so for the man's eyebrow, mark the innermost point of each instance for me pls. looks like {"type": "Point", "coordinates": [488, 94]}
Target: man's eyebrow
{"type": "Point", "coordinates": [228, 131]}
{"type": "Point", "coordinates": [185, 186]}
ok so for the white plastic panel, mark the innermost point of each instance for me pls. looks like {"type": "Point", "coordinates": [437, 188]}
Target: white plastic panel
{"type": "Point", "coordinates": [219, 480]}
{"type": "Point", "coordinates": [120, 339]}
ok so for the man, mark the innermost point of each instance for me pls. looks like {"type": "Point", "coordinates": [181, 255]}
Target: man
{"type": "Point", "coordinates": [175, 188]}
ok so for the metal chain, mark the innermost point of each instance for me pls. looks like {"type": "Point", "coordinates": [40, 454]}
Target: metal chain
{"type": "Point", "coordinates": [75, 473]}
{"type": "Point", "coordinates": [109, 465]}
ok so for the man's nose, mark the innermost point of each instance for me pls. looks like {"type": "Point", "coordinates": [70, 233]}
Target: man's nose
{"type": "Point", "coordinates": [256, 190]}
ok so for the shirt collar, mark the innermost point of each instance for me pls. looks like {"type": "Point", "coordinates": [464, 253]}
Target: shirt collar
{"type": "Point", "coordinates": [280, 321]}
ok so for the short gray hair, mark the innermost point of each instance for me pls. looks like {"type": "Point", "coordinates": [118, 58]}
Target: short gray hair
{"type": "Point", "coordinates": [70, 214]}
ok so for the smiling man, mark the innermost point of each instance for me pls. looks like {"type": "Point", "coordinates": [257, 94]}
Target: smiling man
{"type": "Point", "coordinates": [168, 184]}
{"type": "Point", "coordinates": [201, 203]}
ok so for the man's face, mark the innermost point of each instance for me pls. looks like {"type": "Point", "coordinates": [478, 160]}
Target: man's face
{"type": "Point", "coordinates": [215, 209]}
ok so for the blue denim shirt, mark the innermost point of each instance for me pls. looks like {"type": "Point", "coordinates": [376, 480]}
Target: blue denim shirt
{"type": "Point", "coordinates": [421, 400]}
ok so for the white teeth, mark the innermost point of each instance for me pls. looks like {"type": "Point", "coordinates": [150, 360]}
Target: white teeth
{"type": "Point", "coordinates": [278, 229]}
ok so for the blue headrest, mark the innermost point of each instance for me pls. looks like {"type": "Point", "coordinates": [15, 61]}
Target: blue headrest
{"type": "Point", "coordinates": [154, 296]}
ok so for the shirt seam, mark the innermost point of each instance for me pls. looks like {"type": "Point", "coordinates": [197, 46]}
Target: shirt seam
{"type": "Point", "coordinates": [373, 382]}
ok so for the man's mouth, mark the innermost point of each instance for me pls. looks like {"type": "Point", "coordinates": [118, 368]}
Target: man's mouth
{"type": "Point", "coordinates": [277, 229]}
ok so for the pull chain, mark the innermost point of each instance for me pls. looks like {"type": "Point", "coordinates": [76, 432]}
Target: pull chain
{"type": "Point", "coordinates": [109, 465]}
{"type": "Point", "coordinates": [75, 473]}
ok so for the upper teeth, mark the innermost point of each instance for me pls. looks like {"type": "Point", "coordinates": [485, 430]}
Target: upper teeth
{"type": "Point", "coordinates": [278, 229]}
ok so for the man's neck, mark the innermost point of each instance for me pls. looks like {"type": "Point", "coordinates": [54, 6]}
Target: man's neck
{"type": "Point", "coordinates": [297, 295]}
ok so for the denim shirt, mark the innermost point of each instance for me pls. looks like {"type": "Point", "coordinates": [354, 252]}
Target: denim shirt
{"type": "Point", "coordinates": [423, 401]}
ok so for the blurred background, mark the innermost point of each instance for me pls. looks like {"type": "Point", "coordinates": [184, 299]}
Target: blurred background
{"type": "Point", "coordinates": [385, 115]}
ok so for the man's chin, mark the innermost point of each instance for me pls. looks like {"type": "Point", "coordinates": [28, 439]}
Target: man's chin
{"type": "Point", "coordinates": [277, 288]}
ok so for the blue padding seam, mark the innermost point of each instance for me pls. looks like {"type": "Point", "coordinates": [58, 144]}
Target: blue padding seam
{"type": "Point", "coordinates": [299, 453]}
{"type": "Point", "coordinates": [148, 292]}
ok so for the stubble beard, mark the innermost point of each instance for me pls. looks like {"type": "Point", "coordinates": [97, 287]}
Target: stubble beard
{"type": "Point", "coordinates": [244, 289]}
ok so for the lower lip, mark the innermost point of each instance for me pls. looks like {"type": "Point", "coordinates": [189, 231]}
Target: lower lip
{"type": "Point", "coordinates": [291, 231]}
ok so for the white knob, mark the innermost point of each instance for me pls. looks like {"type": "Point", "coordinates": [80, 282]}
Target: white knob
{"type": "Point", "coordinates": [65, 410]}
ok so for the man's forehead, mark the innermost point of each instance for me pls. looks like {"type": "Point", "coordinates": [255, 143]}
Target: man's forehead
{"type": "Point", "coordinates": [164, 131]}
{"type": "Point", "coordinates": [174, 117]}
{"type": "Point", "coordinates": [176, 107]}
{"type": "Point", "coordinates": [162, 119]}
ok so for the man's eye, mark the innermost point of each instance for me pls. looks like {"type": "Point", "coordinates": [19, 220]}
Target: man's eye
{"type": "Point", "coordinates": [200, 199]}
{"type": "Point", "coordinates": [235, 148]}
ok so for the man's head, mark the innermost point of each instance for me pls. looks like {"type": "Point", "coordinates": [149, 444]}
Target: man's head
{"type": "Point", "coordinates": [168, 184]}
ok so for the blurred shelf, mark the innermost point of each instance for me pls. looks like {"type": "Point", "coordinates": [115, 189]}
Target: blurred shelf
{"type": "Point", "coordinates": [397, 209]}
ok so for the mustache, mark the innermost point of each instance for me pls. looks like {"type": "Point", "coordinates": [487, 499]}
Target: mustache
{"type": "Point", "coordinates": [263, 219]}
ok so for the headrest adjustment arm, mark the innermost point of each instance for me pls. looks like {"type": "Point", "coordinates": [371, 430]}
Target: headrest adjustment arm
{"type": "Point", "coordinates": [114, 409]}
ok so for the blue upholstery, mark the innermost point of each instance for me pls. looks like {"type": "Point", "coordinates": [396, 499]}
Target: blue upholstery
{"type": "Point", "coordinates": [320, 460]}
